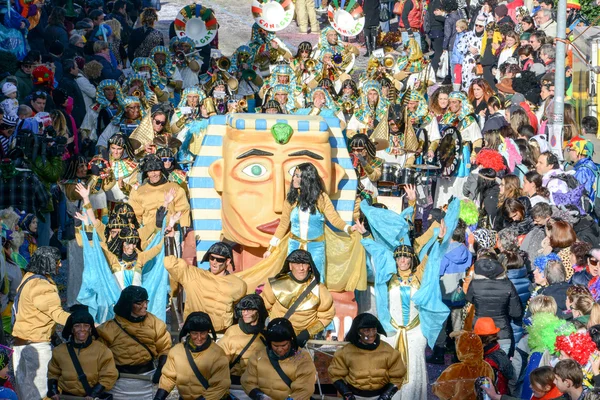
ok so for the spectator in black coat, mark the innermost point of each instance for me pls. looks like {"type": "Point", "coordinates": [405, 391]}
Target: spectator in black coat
{"type": "Point", "coordinates": [581, 257]}
{"type": "Point", "coordinates": [102, 55]}
{"type": "Point", "coordinates": [55, 31]}
{"type": "Point", "coordinates": [437, 16]}
{"type": "Point", "coordinates": [494, 296]}
{"type": "Point", "coordinates": [452, 16]}
{"type": "Point", "coordinates": [68, 83]}
{"type": "Point", "coordinates": [75, 48]}
{"type": "Point", "coordinates": [55, 55]}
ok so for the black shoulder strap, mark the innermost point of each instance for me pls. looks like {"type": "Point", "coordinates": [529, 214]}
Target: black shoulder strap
{"type": "Point", "coordinates": [300, 299]}
{"type": "Point", "coordinates": [286, 379]}
{"type": "Point", "coordinates": [239, 357]}
{"type": "Point", "coordinates": [194, 367]}
{"type": "Point", "coordinates": [136, 339]}
{"type": "Point", "coordinates": [80, 374]}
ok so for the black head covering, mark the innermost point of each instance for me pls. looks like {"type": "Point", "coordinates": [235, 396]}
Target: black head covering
{"type": "Point", "coordinates": [281, 330]}
{"type": "Point", "coordinates": [272, 104]}
{"type": "Point", "coordinates": [121, 140]}
{"type": "Point", "coordinates": [79, 315]}
{"type": "Point", "coordinates": [71, 166]}
{"type": "Point", "coordinates": [407, 251]}
{"type": "Point", "coordinates": [299, 257]}
{"type": "Point", "coordinates": [44, 260]}
{"type": "Point", "coordinates": [491, 269]}
{"type": "Point", "coordinates": [251, 302]}
{"type": "Point", "coordinates": [152, 162]}
{"type": "Point", "coordinates": [362, 140]}
{"type": "Point", "coordinates": [364, 320]}
{"type": "Point", "coordinates": [437, 215]}
{"type": "Point", "coordinates": [220, 249]}
{"type": "Point", "coordinates": [127, 213]}
{"type": "Point", "coordinates": [197, 322]}
{"type": "Point", "coordinates": [130, 295]}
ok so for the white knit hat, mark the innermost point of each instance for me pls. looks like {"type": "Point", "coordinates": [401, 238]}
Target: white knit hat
{"type": "Point", "coordinates": [8, 88]}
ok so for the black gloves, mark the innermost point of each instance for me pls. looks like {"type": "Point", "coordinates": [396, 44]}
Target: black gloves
{"type": "Point", "coordinates": [95, 170]}
{"type": "Point", "coordinates": [390, 391]}
{"type": "Point", "coordinates": [161, 213]}
{"type": "Point", "coordinates": [343, 388]}
{"type": "Point", "coordinates": [161, 394]}
{"type": "Point", "coordinates": [161, 362]}
{"type": "Point", "coordinates": [97, 390]}
{"type": "Point", "coordinates": [52, 387]}
{"type": "Point", "coordinates": [302, 338]}
{"type": "Point", "coordinates": [256, 394]}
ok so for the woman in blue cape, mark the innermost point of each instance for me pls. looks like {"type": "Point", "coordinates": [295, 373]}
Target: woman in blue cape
{"type": "Point", "coordinates": [306, 209]}
{"type": "Point", "coordinates": [407, 292]}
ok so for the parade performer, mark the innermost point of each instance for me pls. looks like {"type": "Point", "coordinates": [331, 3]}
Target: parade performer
{"type": "Point", "coordinates": [82, 351]}
{"type": "Point", "coordinates": [125, 122]}
{"type": "Point", "coordinates": [329, 39]}
{"type": "Point", "coordinates": [36, 310]}
{"type": "Point", "coordinates": [284, 95]}
{"type": "Point", "coordinates": [123, 168]}
{"type": "Point", "coordinates": [281, 370]}
{"type": "Point", "coordinates": [156, 82]}
{"type": "Point", "coordinates": [299, 279]}
{"type": "Point", "coordinates": [29, 227]}
{"type": "Point", "coordinates": [367, 366]}
{"type": "Point", "coordinates": [167, 70]}
{"type": "Point", "coordinates": [305, 210]}
{"type": "Point", "coordinates": [107, 106]}
{"type": "Point", "coordinates": [146, 199]}
{"type": "Point", "coordinates": [407, 293]}
{"type": "Point", "coordinates": [189, 122]}
{"type": "Point", "coordinates": [367, 166]}
{"type": "Point", "coordinates": [187, 60]}
{"type": "Point", "coordinates": [241, 60]}
{"type": "Point", "coordinates": [136, 338]}
{"type": "Point", "coordinates": [140, 85]}
{"type": "Point", "coordinates": [371, 109]}
{"type": "Point", "coordinates": [459, 115]}
{"type": "Point", "coordinates": [98, 180]}
{"type": "Point", "coordinates": [319, 102]}
{"type": "Point", "coordinates": [172, 168]}
{"type": "Point", "coordinates": [246, 338]}
{"type": "Point", "coordinates": [214, 291]}
{"type": "Point", "coordinates": [262, 41]}
{"type": "Point", "coordinates": [198, 366]}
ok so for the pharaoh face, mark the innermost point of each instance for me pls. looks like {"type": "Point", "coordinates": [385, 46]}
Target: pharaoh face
{"type": "Point", "coordinates": [257, 170]}
{"type": "Point", "coordinates": [284, 79]}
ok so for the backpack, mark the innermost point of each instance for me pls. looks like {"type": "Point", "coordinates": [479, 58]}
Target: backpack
{"type": "Point", "coordinates": [572, 185]}
{"type": "Point", "coordinates": [595, 205]}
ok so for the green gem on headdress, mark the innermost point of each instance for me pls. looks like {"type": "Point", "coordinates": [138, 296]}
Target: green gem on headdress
{"type": "Point", "coordinates": [282, 133]}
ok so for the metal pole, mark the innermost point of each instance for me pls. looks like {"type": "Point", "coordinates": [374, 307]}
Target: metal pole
{"type": "Point", "coordinates": [559, 85]}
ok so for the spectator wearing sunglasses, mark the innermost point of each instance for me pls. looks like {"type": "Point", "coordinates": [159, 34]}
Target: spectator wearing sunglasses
{"type": "Point", "coordinates": [211, 289]}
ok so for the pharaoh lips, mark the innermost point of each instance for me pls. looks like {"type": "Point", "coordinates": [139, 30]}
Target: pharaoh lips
{"type": "Point", "coordinates": [269, 227]}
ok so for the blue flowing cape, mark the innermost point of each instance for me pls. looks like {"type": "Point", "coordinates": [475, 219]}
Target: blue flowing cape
{"type": "Point", "coordinates": [100, 291]}
{"type": "Point", "coordinates": [389, 229]}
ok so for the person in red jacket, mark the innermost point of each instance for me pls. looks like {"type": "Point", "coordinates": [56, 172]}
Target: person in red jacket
{"type": "Point", "coordinates": [410, 20]}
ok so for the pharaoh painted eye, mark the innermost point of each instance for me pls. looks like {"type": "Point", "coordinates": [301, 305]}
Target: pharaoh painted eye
{"type": "Point", "coordinates": [255, 170]}
{"type": "Point", "coordinates": [292, 170]}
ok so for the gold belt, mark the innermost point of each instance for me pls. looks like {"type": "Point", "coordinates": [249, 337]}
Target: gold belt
{"type": "Point", "coordinates": [402, 341]}
{"type": "Point", "coordinates": [305, 242]}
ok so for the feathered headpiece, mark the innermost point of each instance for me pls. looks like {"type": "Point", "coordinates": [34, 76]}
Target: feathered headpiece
{"type": "Point", "coordinates": [578, 346]}
{"type": "Point", "coordinates": [544, 329]}
{"type": "Point", "coordinates": [488, 158]}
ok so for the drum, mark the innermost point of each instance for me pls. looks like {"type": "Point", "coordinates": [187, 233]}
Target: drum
{"type": "Point", "coordinates": [385, 191]}
{"type": "Point", "coordinates": [406, 176]}
{"type": "Point", "coordinates": [389, 173]}
{"type": "Point", "coordinates": [449, 152]}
